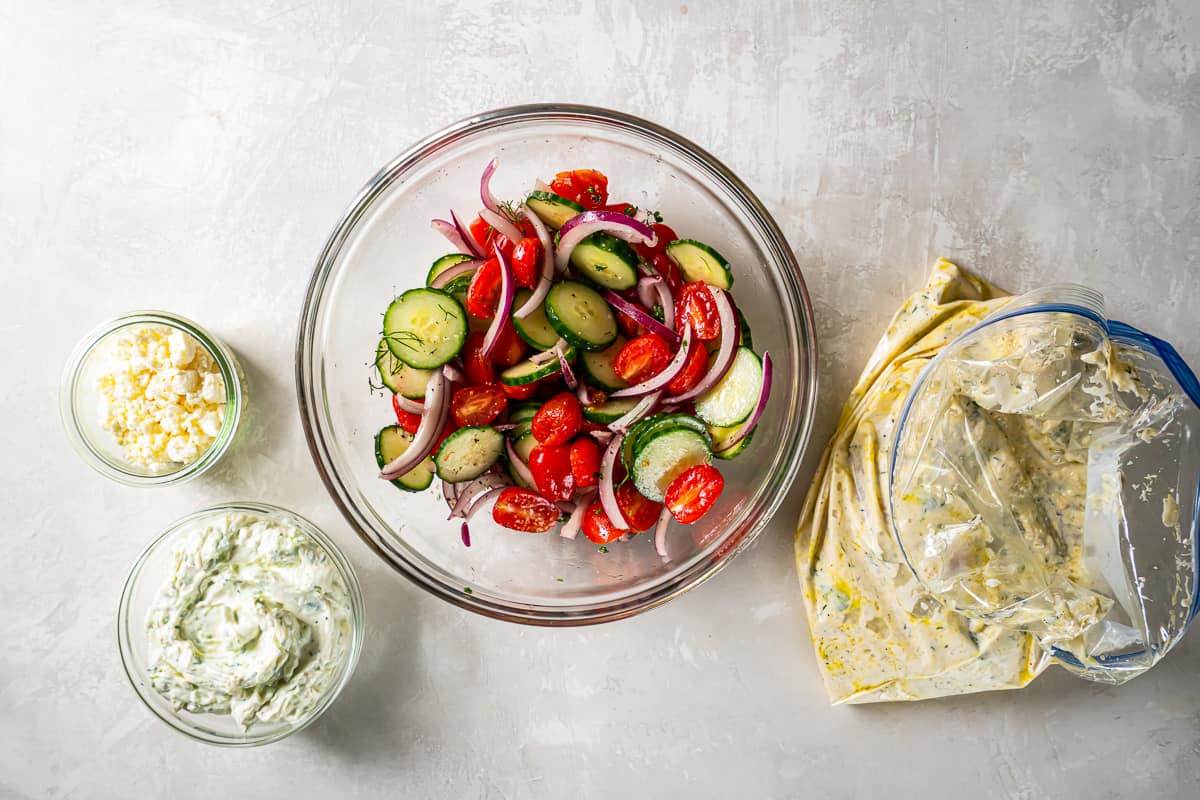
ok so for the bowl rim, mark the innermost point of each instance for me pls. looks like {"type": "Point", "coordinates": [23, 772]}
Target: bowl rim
{"type": "Point", "coordinates": [231, 374]}
{"type": "Point", "coordinates": [736, 539]}
{"type": "Point", "coordinates": [357, 617]}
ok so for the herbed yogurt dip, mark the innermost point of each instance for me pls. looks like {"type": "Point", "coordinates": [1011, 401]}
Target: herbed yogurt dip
{"type": "Point", "coordinates": [254, 621]}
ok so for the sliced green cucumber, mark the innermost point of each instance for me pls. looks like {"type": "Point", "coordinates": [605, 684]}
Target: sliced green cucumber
{"type": "Point", "coordinates": [553, 210]}
{"type": "Point", "coordinates": [733, 398]}
{"type": "Point", "coordinates": [390, 444]}
{"type": "Point", "coordinates": [599, 367]}
{"type": "Point", "coordinates": [523, 444]}
{"type": "Point", "coordinates": [661, 456]}
{"type": "Point", "coordinates": [535, 328]}
{"type": "Point", "coordinates": [606, 260]}
{"type": "Point", "coordinates": [745, 337]}
{"type": "Point", "coordinates": [581, 316]}
{"type": "Point", "coordinates": [523, 411]}
{"type": "Point", "coordinates": [611, 411]}
{"type": "Point", "coordinates": [444, 263]}
{"type": "Point", "coordinates": [527, 371]}
{"type": "Point", "coordinates": [721, 435]}
{"type": "Point", "coordinates": [468, 453]}
{"type": "Point", "coordinates": [425, 328]}
{"type": "Point", "coordinates": [398, 376]}
{"type": "Point", "coordinates": [649, 426]}
{"type": "Point", "coordinates": [699, 262]}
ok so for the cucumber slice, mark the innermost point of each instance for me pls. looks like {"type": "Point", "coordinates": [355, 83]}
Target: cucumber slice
{"type": "Point", "coordinates": [523, 445]}
{"type": "Point", "coordinates": [654, 424]}
{"type": "Point", "coordinates": [606, 260]}
{"type": "Point", "coordinates": [534, 329]}
{"type": "Point", "coordinates": [599, 367]}
{"type": "Point", "coordinates": [425, 328]}
{"type": "Point", "coordinates": [699, 262]}
{"type": "Point", "coordinates": [720, 435]}
{"type": "Point", "coordinates": [553, 210]}
{"type": "Point", "coordinates": [745, 337]}
{"type": "Point", "coordinates": [390, 444]}
{"type": "Point", "coordinates": [733, 398]}
{"type": "Point", "coordinates": [660, 456]}
{"type": "Point", "coordinates": [523, 412]}
{"type": "Point", "coordinates": [444, 263]}
{"type": "Point", "coordinates": [398, 376]}
{"type": "Point", "coordinates": [613, 410]}
{"type": "Point", "coordinates": [581, 316]}
{"type": "Point", "coordinates": [468, 453]}
{"type": "Point", "coordinates": [528, 372]}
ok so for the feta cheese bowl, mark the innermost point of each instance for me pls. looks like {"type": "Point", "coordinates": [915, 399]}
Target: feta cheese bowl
{"type": "Point", "coordinates": [151, 399]}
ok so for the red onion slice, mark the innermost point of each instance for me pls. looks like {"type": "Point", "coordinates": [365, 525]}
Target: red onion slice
{"type": "Point", "coordinates": [454, 374]}
{"type": "Point", "coordinates": [603, 437]}
{"type": "Point", "coordinates": [608, 494]}
{"type": "Point", "coordinates": [409, 405]}
{"type": "Point", "coordinates": [518, 464]}
{"type": "Point", "coordinates": [726, 353]}
{"type": "Point", "coordinates": [457, 271]}
{"type": "Point", "coordinates": [465, 532]}
{"type": "Point", "coordinates": [583, 225]}
{"type": "Point", "coordinates": [433, 419]}
{"type": "Point", "coordinates": [642, 317]}
{"type": "Point", "coordinates": [547, 355]}
{"type": "Point", "coordinates": [468, 240]}
{"type": "Point", "coordinates": [450, 495]}
{"type": "Point", "coordinates": [660, 533]}
{"type": "Point", "coordinates": [571, 528]}
{"type": "Point", "coordinates": [567, 373]}
{"type": "Point", "coordinates": [535, 300]}
{"type": "Point", "coordinates": [502, 224]}
{"type": "Point", "coordinates": [466, 495]}
{"type": "Point", "coordinates": [584, 394]}
{"type": "Point", "coordinates": [508, 291]}
{"type": "Point", "coordinates": [668, 374]}
{"type": "Point", "coordinates": [541, 186]}
{"type": "Point", "coordinates": [645, 291]}
{"type": "Point", "coordinates": [452, 235]}
{"type": "Point", "coordinates": [490, 494]}
{"type": "Point", "coordinates": [644, 406]}
{"type": "Point", "coordinates": [485, 186]}
{"type": "Point", "coordinates": [744, 429]}
{"type": "Point", "coordinates": [667, 302]}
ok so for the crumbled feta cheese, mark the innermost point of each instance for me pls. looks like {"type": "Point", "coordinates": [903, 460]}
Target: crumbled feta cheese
{"type": "Point", "coordinates": [162, 397]}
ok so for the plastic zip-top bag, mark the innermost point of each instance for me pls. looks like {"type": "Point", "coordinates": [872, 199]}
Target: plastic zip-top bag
{"type": "Point", "coordinates": [1045, 478]}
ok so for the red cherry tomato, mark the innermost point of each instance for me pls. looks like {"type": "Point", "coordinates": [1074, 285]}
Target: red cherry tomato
{"type": "Point", "coordinates": [558, 420]}
{"type": "Point", "coordinates": [585, 461]}
{"type": "Point", "coordinates": [693, 370]}
{"type": "Point", "coordinates": [598, 527]}
{"type": "Point", "coordinates": [483, 295]}
{"type": "Point", "coordinates": [642, 358]}
{"type": "Point", "coordinates": [527, 262]}
{"type": "Point", "coordinates": [664, 235]}
{"type": "Point", "coordinates": [479, 369]}
{"type": "Point", "coordinates": [669, 270]}
{"type": "Point", "coordinates": [522, 510]}
{"type": "Point", "coordinates": [405, 419]}
{"type": "Point", "coordinates": [640, 512]}
{"type": "Point", "coordinates": [481, 232]}
{"type": "Point", "coordinates": [478, 405]}
{"type": "Point", "coordinates": [693, 493]}
{"type": "Point", "coordinates": [523, 392]}
{"type": "Point", "coordinates": [510, 347]}
{"type": "Point", "coordinates": [696, 305]}
{"type": "Point", "coordinates": [551, 468]}
{"type": "Point", "coordinates": [587, 187]}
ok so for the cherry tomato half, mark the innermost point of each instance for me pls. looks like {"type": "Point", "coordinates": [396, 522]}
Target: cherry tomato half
{"type": "Point", "coordinates": [510, 347]}
{"type": "Point", "coordinates": [598, 527]}
{"type": "Point", "coordinates": [558, 420]}
{"type": "Point", "coordinates": [640, 512]}
{"type": "Point", "coordinates": [669, 270]}
{"type": "Point", "coordinates": [642, 358]}
{"type": "Point", "coordinates": [694, 492]}
{"type": "Point", "coordinates": [481, 232]}
{"type": "Point", "coordinates": [527, 262]}
{"type": "Point", "coordinates": [405, 419]}
{"type": "Point", "coordinates": [585, 461]}
{"type": "Point", "coordinates": [478, 405]}
{"type": "Point", "coordinates": [551, 468]}
{"type": "Point", "coordinates": [523, 392]}
{"type": "Point", "coordinates": [696, 305]}
{"type": "Point", "coordinates": [479, 369]}
{"type": "Point", "coordinates": [522, 510]}
{"type": "Point", "coordinates": [483, 295]}
{"type": "Point", "coordinates": [587, 187]}
{"type": "Point", "coordinates": [693, 370]}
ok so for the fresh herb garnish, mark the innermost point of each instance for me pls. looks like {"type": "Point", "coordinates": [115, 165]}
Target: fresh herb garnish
{"type": "Point", "coordinates": [405, 339]}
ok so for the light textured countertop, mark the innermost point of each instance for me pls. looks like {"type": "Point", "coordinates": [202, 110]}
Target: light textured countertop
{"type": "Point", "coordinates": [193, 156]}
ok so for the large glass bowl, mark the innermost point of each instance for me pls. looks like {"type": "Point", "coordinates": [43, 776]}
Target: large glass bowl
{"type": "Point", "coordinates": [384, 245]}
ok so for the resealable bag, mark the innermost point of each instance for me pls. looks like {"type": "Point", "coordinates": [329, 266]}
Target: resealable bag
{"type": "Point", "coordinates": [1044, 478]}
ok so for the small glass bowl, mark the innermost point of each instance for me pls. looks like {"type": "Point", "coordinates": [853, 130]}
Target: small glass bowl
{"type": "Point", "coordinates": [142, 587]}
{"type": "Point", "coordinates": [78, 396]}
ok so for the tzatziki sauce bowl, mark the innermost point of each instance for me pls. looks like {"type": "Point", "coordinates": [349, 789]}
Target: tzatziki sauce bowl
{"type": "Point", "coordinates": [240, 624]}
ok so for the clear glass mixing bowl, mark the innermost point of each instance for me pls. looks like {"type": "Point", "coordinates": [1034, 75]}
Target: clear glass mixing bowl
{"type": "Point", "coordinates": [384, 244]}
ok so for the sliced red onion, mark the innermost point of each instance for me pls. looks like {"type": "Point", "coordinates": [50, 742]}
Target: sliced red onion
{"type": "Point", "coordinates": [454, 374]}
{"type": "Point", "coordinates": [457, 271]}
{"type": "Point", "coordinates": [641, 316]}
{"type": "Point", "coordinates": [660, 533]}
{"type": "Point", "coordinates": [602, 437]}
{"type": "Point", "coordinates": [614, 223]}
{"type": "Point", "coordinates": [608, 494]}
{"type": "Point", "coordinates": [535, 300]}
{"type": "Point", "coordinates": [465, 532]}
{"type": "Point", "coordinates": [490, 494]}
{"type": "Point", "coordinates": [518, 464]}
{"type": "Point", "coordinates": [645, 291]}
{"type": "Point", "coordinates": [746, 427]}
{"type": "Point", "coordinates": [451, 233]}
{"type": "Point", "coordinates": [508, 291]}
{"type": "Point", "coordinates": [433, 419]}
{"type": "Point", "coordinates": [644, 406]}
{"type": "Point", "coordinates": [646, 270]}
{"type": "Point", "coordinates": [409, 405]}
{"type": "Point", "coordinates": [541, 186]}
{"type": "Point", "coordinates": [583, 393]}
{"type": "Point", "coordinates": [667, 302]}
{"type": "Point", "coordinates": [571, 528]}
{"type": "Point", "coordinates": [547, 355]}
{"type": "Point", "coordinates": [485, 186]}
{"type": "Point", "coordinates": [726, 353]}
{"type": "Point", "coordinates": [567, 373]}
{"type": "Point", "coordinates": [468, 240]}
{"type": "Point", "coordinates": [470, 491]}
{"type": "Point", "coordinates": [450, 495]}
{"type": "Point", "coordinates": [506, 426]}
{"type": "Point", "coordinates": [502, 224]}
{"type": "Point", "coordinates": [668, 374]}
